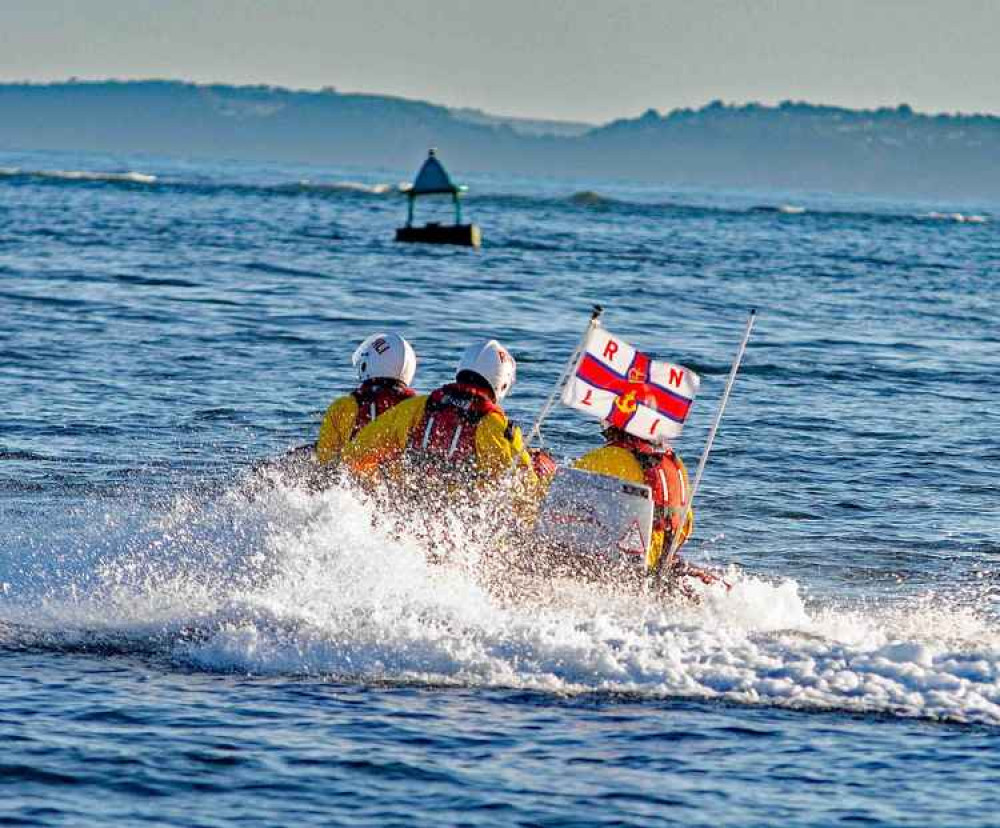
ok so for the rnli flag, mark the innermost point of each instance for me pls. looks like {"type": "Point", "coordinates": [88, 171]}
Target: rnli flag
{"type": "Point", "coordinates": [615, 382]}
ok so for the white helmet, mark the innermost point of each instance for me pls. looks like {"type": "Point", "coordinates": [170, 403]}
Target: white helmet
{"type": "Point", "coordinates": [493, 363]}
{"type": "Point", "coordinates": [385, 355]}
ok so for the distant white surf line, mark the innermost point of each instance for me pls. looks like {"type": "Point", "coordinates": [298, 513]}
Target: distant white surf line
{"type": "Point", "coordinates": [785, 209]}
{"type": "Point", "coordinates": [353, 187]}
{"type": "Point", "coordinates": [303, 185]}
{"type": "Point", "coordinates": [79, 175]}
{"type": "Point", "coordinates": [958, 218]}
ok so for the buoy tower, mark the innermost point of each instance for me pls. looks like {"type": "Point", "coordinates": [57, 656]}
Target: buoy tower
{"type": "Point", "coordinates": [433, 180]}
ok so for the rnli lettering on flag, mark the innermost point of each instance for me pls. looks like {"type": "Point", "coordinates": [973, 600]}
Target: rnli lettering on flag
{"type": "Point", "coordinates": [615, 382]}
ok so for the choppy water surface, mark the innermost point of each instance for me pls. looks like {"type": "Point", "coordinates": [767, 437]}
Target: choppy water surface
{"type": "Point", "coordinates": [173, 650]}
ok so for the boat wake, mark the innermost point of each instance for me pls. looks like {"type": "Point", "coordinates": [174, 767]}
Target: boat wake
{"type": "Point", "coordinates": [291, 583]}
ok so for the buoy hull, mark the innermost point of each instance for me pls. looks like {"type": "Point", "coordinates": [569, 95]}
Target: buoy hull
{"type": "Point", "coordinates": [466, 235]}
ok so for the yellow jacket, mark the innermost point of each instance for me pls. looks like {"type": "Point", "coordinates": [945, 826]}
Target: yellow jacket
{"type": "Point", "coordinates": [385, 441]}
{"type": "Point", "coordinates": [335, 432]}
{"type": "Point", "coordinates": [615, 461]}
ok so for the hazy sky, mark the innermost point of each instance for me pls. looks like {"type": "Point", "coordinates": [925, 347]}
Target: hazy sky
{"type": "Point", "coordinates": [591, 59]}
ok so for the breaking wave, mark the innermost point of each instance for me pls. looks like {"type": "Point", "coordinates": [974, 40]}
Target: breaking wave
{"type": "Point", "coordinates": [200, 185]}
{"type": "Point", "coordinates": [781, 209]}
{"type": "Point", "coordinates": [349, 187]}
{"type": "Point", "coordinates": [292, 583]}
{"type": "Point", "coordinates": [80, 175]}
{"type": "Point", "coordinates": [958, 218]}
{"type": "Point", "coordinates": [588, 199]}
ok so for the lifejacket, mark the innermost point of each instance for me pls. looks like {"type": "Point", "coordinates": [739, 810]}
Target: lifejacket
{"type": "Point", "coordinates": [661, 471]}
{"type": "Point", "coordinates": [445, 436]}
{"type": "Point", "coordinates": [543, 463]}
{"type": "Point", "coordinates": [375, 397]}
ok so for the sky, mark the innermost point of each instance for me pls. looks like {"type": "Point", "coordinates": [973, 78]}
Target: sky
{"type": "Point", "coordinates": [589, 60]}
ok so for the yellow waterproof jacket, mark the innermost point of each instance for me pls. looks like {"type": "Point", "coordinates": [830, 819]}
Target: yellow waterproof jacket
{"type": "Point", "coordinates": [346, 416]}
{"type": "Point", "coordinates": [385, 441]}
{"type": "Point", "coordinates": [615, 461]}
{"type": "Point", "coordinates": [335, 432]}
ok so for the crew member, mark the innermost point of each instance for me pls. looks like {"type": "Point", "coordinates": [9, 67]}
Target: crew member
{"type": "Point", "coordinates": [386, 364]}
{"type": "Point", "coordinates": [659, 467]}
{"type": "Point", "coordinates": [458, 433]}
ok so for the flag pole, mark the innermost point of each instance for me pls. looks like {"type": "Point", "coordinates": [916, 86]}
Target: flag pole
{"type": "Point", "coordinates": [662, 565]}
{"type": "Point", "coordinates": [536, 429]}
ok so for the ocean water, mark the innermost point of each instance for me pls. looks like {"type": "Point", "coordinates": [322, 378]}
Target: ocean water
{"type": "Point", "coordinates": [180, 647]}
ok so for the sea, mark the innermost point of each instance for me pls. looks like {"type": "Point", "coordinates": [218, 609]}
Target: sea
{"type": "Point", "coordinates": [183, 645]}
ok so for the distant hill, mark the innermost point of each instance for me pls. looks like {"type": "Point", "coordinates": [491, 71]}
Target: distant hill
{"type": "Point", "coordinates": [524, 126]}
{"type": "Point", "coordinates": [794, 146]}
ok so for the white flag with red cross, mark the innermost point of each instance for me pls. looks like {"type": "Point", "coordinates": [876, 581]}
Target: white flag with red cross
{"type": "Point", "coordinates": [647, 398]}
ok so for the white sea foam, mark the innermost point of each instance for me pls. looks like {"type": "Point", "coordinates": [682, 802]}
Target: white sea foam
{"type": "Point", "coordinates": [317, 589]}
{"type": "Point", "coordinates": [784, 209]}
{"type": "Point", "coordinates": [80, 175]}
{"type": "Point", "coordinates": [349, 187]}
{"type": "Point", "coordinates": [958, 218]}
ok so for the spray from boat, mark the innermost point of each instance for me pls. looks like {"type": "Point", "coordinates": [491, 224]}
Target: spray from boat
{"type": "Point", "coordinates": [297, 583]}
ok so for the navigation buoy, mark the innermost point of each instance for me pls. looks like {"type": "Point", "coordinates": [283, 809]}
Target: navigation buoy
{"type": "Point", "coordinates": [432, 180]}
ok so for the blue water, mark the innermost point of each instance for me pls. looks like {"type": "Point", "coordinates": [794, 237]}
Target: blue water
{"type": "Point", "coordinates": [180, 647]}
